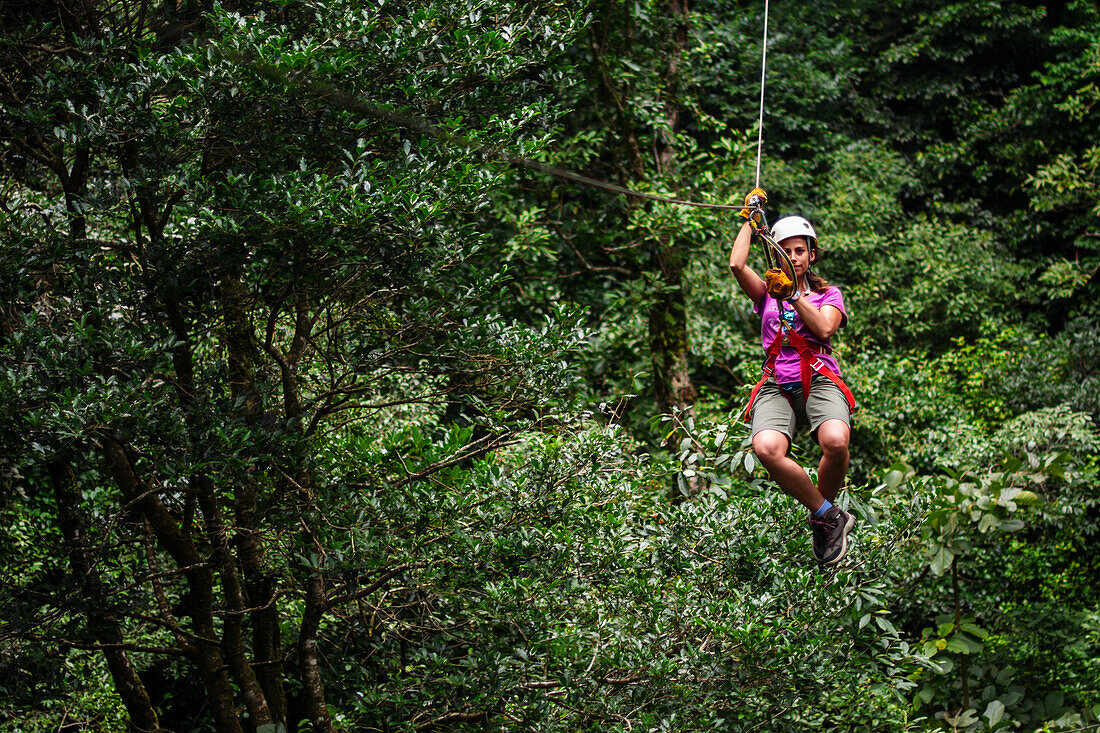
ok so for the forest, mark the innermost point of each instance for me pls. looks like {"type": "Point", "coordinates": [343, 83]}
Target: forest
{"type": "Point", "coordinates": [328, 404]}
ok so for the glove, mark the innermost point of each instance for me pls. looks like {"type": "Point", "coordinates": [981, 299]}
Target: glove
{"type": "Point", "coordinates": [778, 284]}
{"type": "Point", "coordinates": [754, 199]}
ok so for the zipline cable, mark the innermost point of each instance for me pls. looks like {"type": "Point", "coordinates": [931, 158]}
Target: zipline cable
{"type": "Point", "coordinates": [763, 74]}
{"type": "Point", "coordinates": [418, 124]}
{"type": "Point", "coordinates": [774, 254]}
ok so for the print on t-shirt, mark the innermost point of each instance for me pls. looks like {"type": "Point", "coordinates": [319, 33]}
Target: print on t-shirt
{"type": "Point", "coordinates": [788, 319]}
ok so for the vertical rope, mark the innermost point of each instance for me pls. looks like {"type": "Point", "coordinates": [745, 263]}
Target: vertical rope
{"type": "Point", "coordinates": [763, 70]}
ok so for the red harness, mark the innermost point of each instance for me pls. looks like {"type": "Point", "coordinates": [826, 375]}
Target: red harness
{"type": "Point", "coordinates": [810, 362]}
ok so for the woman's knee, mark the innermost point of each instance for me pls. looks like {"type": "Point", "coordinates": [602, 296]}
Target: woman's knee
{"type": "Point", "coordinates": [770, 445]}
{"type": "Point", "coordinates": [833, 436]}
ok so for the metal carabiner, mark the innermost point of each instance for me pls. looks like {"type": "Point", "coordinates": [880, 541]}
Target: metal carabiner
{"type": "Point", "coordinates": [773, 253]}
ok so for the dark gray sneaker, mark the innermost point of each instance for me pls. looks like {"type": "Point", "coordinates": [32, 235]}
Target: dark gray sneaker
{"type": "Point", "coordinates": [817, 530]}
{"type": "Point", "coordinates": [831, 535]}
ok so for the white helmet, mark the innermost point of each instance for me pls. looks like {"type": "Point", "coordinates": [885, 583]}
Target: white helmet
{"type": "Point", "coordinates": [794, 226]}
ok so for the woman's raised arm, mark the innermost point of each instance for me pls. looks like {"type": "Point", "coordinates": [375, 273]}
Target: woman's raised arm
{"type": "Point", "coordinates": [750, 282]}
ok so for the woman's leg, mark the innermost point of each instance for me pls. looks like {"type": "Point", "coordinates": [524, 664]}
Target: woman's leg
{"type": "Point", "coordinates": [833, 436]}
{"type": "Point", "coordinates": [771, 448]}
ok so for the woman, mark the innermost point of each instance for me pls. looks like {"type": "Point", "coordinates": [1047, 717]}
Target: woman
{"type": "Point", "coordinates": [813, 310]}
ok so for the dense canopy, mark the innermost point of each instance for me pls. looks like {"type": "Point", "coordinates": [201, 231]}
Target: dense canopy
{"type": "Point", "coordinates": [321, 414]}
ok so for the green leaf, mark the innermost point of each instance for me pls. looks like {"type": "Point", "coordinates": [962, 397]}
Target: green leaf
{"type": "Point", "coordinates": [974, 629]}
{"type": "Point", "coordinates": [893, 478]}
{"type": "Point", "coordinates": [1028, 498]}
{"type": "Point", "coordinates": [941, 560]}
{"type": "Point", "coordinates": [966, 718]}
{"type": "Point", "coordinates": [884, 623]}
{"type": "Point", "coordinates": [973, 645]}
{"type": "Point", "coordinates": [994, 712]}
{"type": "Point", "coordinates": [955, 644]}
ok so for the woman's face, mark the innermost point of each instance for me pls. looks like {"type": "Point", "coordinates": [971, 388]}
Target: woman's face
{"type": "Point", "coordinates": [798, 249]}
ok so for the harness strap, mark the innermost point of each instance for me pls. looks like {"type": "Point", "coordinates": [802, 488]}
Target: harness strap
{"type": "Point", "coordinates": [809, 362]}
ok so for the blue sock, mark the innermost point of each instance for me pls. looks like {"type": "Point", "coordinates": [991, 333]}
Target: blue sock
{"type": "Point", "coordinates": [823, 508]}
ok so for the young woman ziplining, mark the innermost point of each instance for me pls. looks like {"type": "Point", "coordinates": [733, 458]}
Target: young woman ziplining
{"type": "Point", "coordinates": [798, 319]}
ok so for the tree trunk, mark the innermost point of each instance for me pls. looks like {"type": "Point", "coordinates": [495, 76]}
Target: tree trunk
{"type": "Point", "coordinates": [668, 334]}
{"type": "Point", "coordinates": [243, 358]}
{"type": "Point", "coordinates": [200, 581]}
{"type": "Point", "coordinates": [312, 686]}
{"type": "Point", "coordinates": [309, 665]}
{"type": "Point", "coordinates": [104, 627]}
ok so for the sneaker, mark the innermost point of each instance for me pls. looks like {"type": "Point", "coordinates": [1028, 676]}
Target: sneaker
{"type": "Point", "coordinates": [817, 530]}
{"type": "Point", "coordinates": [831, 535]}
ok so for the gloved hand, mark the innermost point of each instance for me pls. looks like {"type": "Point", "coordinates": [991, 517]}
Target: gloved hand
{"type": "Point", "coordinates": [753, 199]}
{"type": "Point", "coordinates": [779, 285]}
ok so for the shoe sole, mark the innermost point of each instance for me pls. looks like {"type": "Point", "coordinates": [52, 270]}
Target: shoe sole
{"type": "Point", "coordinates": [851, 522]}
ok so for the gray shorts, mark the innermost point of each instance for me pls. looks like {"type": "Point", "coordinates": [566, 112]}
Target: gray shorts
{"type": "Point", "coordinates": [772, 409]}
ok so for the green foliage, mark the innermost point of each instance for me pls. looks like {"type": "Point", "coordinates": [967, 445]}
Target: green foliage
{"type": "Point", "coordinates": [43, 696]}
{"type": "Point", "coordinates": [581, 597]}
{"type": "Point", "coordinates": [1067, 181]}
{"type": "Point", "coordinates": [974, 677]}
{"type": "Point", "coordinates": [343, 356]}
{"type": "Point", "coordinates": [987, 502]}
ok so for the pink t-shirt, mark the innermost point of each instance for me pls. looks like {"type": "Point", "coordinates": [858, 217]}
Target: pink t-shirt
{"type": "Point", "coordinates": [787, 366]}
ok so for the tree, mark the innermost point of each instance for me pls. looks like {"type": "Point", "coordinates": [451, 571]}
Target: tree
{"type": "Point", "coordinates": [300, 380]}
{"type": "Point", "coordinates": [237, 269]}
{"type": "Point", "coordinates": [634, 122]}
